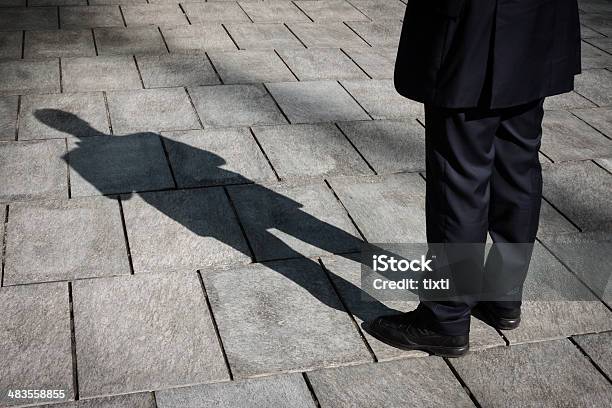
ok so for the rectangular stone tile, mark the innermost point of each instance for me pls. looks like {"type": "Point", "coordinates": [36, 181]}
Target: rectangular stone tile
{"type": "Point", "coordinates": [176, 70]}
{"type": "Point", "coordinates": [193, 229]}
{"type": "Point", "coordinates": [598, 22]}
{"type": "Point", "coordinates": [593, 57]}
{"type": "Point", "coordinates": [389, 146]}
{"type": "Point", "coordinates": [135, 40]}
{"type": "Point", "coordinates": [324, 63]}
{"type": "Point", "coordinates": [258, 36]}
{"type": "Point", "coordinates": [289, 390]}
{"type": "Point", "coordinates": [8, 117]}
{"type": "Point", "coordinates": [292, 220]}
{"type": "Point", "coordinates": [148, 109]}
{"type": "Point", "coordinates": [594, 6]}
{"type": "Point", "coordinates": [196, 39]}
{"type": "Point", "coordinates": [144, 333]}
{"type": "Point", "coordinates": [570, 100]}
{"type": "Point", "coordinates": [599, 118]}
{"type": "Point", "coordinates": [215, 157]}
{"type": "Point", "coordinates": [154, 14]}
{"type": "Point", "coordinates": [62, 115]}
{"type": "Point", "coordinates": [10, 44]}
{"type": "Point", "coordinates": [326, 35]}
{"type": "Point", "coordinates": [380, 99]}
{"type": "Point", "coordinates": [90, 17]}
{"type": "Point", "coordinates": [111, 165]}
{"type": "Point", "coordinates": [225, 12]}
{"type": "Point", "coordinates": [273, 11]}
{"type": "Point", "coordinates": [35, 338]}
{"type": "Point", "coordinates": [316, 101]}
{"type": "Point", "coordinates": [33, 170]}
{"type": "Point", "coordinates": [387, 208]}
{"type": "Point", "coordinates": [552, 222]}
{"type": "Point", "coordinates": [588, 207]}
{"type": "Point", "coordinates": [304, 151]}
{"type": "Point", "coordinates": [252, 66]}
{"type": "Point", "coordinates": [551, 374]}
{"type": "Point", "coordinates": [379, 62]}
{"type": "Point", "coordinates": [85, 74]}
{"type": "Point", "coordinates": [596, 85]}
{"type": "Point", "coordinates": [603, 43]}
{"type": "Point", "coordinates": [345, 272]}
{"type": "Point", "coordinates": [31, 18]}
{"type": "Point", "coordinates": [333, 10]}
{"type": "Point", "coordinates": [64, 240]}
{"type": "Point", "coordinates": [235, 105]}
{"type": "Point", "coordinates": [59, 43]}
{"type": "Point", "coordinates": [29, 76]}
{"type": "Point", "coordinates": [381, 9]}
{"type": "Point", "coordinates": [566, 138]}
{"type": "Point", "coordinates": [378, 34]}
{"type": "Point", "coordinates": [599, 348]}
{"type": "Point", "coordinates": [140, 400]}
{"type": "Point", "coordinates": [304, 328]}
{"type": "Point", "coordinates": [406, 383]}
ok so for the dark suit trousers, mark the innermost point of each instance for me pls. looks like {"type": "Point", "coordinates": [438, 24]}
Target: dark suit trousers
{"type": "Point", "coordinates": [483, 176]}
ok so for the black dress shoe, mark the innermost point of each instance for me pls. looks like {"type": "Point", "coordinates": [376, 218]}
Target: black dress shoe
{"type": "Point", "coordinates": [404, 331]}
{"type": "Point", "coordinates": [498, 317]}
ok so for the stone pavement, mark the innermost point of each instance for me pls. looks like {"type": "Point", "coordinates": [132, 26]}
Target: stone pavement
{"type": "Point", "coordinates": [182, 186]}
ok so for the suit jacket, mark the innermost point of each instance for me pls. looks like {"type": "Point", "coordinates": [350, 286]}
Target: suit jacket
{"type": "Point", "coordinates": [492, 53]}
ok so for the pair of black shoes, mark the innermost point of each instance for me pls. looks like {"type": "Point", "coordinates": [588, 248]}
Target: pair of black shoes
{"type": "Point", "coordinates": [408, 331]}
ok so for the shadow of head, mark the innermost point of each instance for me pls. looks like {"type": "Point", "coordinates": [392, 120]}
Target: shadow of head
{"type": "Point", "coordinates": [66, 122]}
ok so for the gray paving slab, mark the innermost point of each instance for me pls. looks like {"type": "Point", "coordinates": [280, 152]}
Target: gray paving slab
{"type": "Point", "coordinates": [282, 391]}
{"type": "Point", "coordinates": [593, 57]}
{"type": "Point", "coordinates": [598, 22]}
{"type": "Point", "coordinates": [378, 34]}
{"type": "Point", "coordinates": [196, 39]}
{"type": "Point", "coordinates": [147, 109]}
{"type": "Point", "coordinates": [83, 74]}
{"type": "Point", "coordinates": [176, 70]}
{"type": "Point", "coordinates": [37, 3]}
{"type": "Point", "coordinates": [111, 165]}
{"type": "Point", "coordinates": [326, 35]}
{"type": "Point", "coordinates": [33, 170]}
{"type": "Point", "coordinates": [378, 62]}
{"type": "Point", "coordinates": [8, 117]}
{"type": "Point", "coordinates": [29, 76]}
{"type": "Point", "coordinates": [59, 43]}
{"type": "Point", "coordinates": [154, 14]}
{"type": "Point", "coordinates": [525, 374]}
{"type": "Point", "coordinates": [589, 33]}
{"type": "Point", "coordinates": [62, 115]}
{"type": "Point", "coordinates": [596, 85]}
{"type": "Point", "coordinates": [599, 348]}
{"type": "Point", "coordinates": [570, 100]}
{"type": "Point", "coordinates": [566, 138]}
{"type": "Point", "coordinates": [10, 44]}
{"type": "Point", "coordinates": [380, 99]}
{"type": "Point", "coordinates": [273, 11]}
{"type": "Point", "coordinates": [216, 157]}
{"type": "Point", "coordinates": [334, 10]}
{"type": "Point", "coordinates": [193, 229]}
{"type": "Point", "coordinates": [599, 118]}
{"type": "Point", "coordinates": [316, 101]}
{"type": "Point", "coordinates": [35, 338]}
{"type": "Point", "coordinates": [140, 400]}
{"type": "Point", "coordinates": [422, 382]}
{"type": "Point", "coordinates": [31, 18]}
{"type": "Point", "coordinates": [381, 9]}
{"type": "Point", "coordinates": [258, 36]}
{"type": "Point", "coordinates": [143, 333]}
{"type": "Point", "coordinates": [594, 6]}
{"type": "Point", "coordinates": [64, 240]}
{"type": "Point", "coordinates": [235, 105]}
{"type": "Point", "coordinates": [282, 316]}
{"type": "Point", "coordinates": [603, 43]}
{"type": "Point", "coordinates": [388, 208]}
{"type": "Point", "coordinates": [305, 151]}
{"type": "Point", "coordinates": [134, 40]}
{"type": "Point", "coordinates": [250, 66]}
{"type": "Point", "coordinates": [222, 12]}
{"type": "Point", "coordinates": [552, 222]}
{"type": "Point", "coordinates": [90, 17]}
{"type": "Point", "coordinates": [389, 146]}
{"type": "Point", "coordinates": [589, 209]}
{"type": "Point", "coordinates": [321, 63]}
{"type": "Point", "coordinates": [291, 220]}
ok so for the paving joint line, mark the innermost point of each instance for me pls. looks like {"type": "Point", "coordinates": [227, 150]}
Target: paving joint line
{"type": "Point", "coordinates": [600, 166]}
{"type": "Point", "coordinates": [264, 154]}
{"type": "Point", "coordinates": [465, 387]}
{"type": "Point", "coordinates": [357, 34]}
{"type": "Point", "coordinates": [67, 159]}
{"type": "Point", "coordinates": [239, 222]}
{"type": "Point", "coordinates": [583, 351]}
{"type": "Point", "coordinates": [244, 11]}
{"type": "Point", "coordinates": [194, 107]}
{"type": "Point", "coordinates": [93, 34]}
{"type": "Point", "coordinates": [277, 104]}
{"type": "Point", "coordinates": [5, 219]}
{"type": "Point", "coordinates": [163, 39]}
{"type": "Point", "coordinates": [295, 35]}
{"type": "Point", "coordinates": [355, 62]}
{"type": "Point", "coordinates": [139, 73]}
{"type": "Point", "coordinates": [18, 119]}
{"type": "Point", "coordinates": [356, 149]}
{"type": "Point", "coordinates": [355, 99]}
{"type": "Point", "coordinates": [122, 15]}
{"type": "Point", "coordinates": [562, 214]}
{"type": "Point", "coordinates": [75, 371]}
{"type": "Point", "coordinates": [23, 32]}
{"type": "Point", "coordinates": [361, 234]}
{"type": "Point", "coordinates": [214, 68]}
{"type": "Point", "coordinates": [168, 162]}
{"type": "Point", "coordinates": [315, 399]}
{"type": "Point", "coordinates": [591, 126]}
{"type": "Point", "coordinates": [305, 13]}
{"type": "Point", "coordinates": [230, 35]}
{"type": "Point", "coordinates": [108, 115]}
{"type": "Point", "coordinates": [125, 234]}
{"type": "Point", "coordinates": [185, 14]}
{"type": "Point", "coordinates": [61, 79]}
{"type": "Point", "coordinates": [287, 65]}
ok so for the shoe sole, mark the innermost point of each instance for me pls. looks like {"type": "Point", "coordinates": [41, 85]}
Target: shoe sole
{"type": "Point", "coordinates": [440, 351]}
